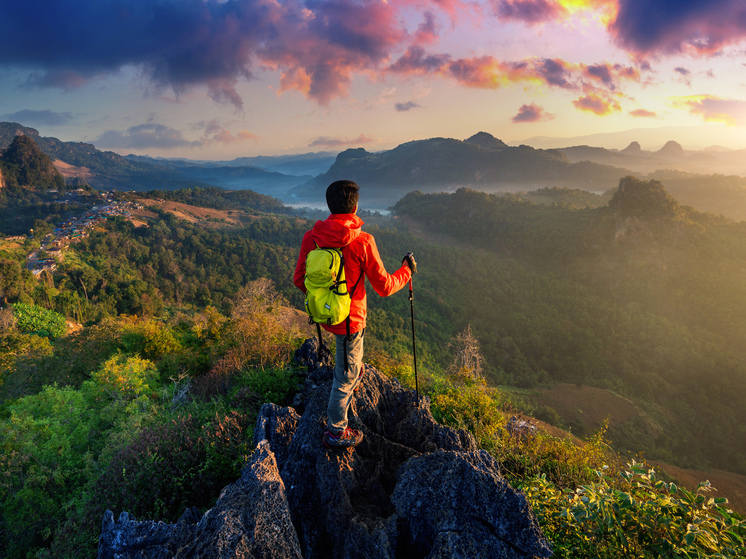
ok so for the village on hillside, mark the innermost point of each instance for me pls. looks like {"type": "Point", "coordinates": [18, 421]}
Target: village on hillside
{"type": "Point", "coordinates": [53, 244]}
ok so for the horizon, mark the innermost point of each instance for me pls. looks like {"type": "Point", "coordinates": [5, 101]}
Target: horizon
{"type": "Point", "coordinates": [221, 79]}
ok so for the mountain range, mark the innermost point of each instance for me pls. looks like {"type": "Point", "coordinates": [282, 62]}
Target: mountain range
{"type": "Point", "coordinates": [482, 162]}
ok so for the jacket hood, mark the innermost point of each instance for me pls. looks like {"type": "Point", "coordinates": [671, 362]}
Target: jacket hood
{"type": "Point", "coordinates": [338, 230]}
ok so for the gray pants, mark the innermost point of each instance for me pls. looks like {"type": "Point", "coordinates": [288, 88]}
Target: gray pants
{"type": "Point", "coordinates": [345, 381]}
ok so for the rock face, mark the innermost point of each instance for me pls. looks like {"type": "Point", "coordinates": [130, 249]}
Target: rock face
{"type": "Point", "coordinates": [412, 489]}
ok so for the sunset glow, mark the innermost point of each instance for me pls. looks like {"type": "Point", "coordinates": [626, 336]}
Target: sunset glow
{"type": "Point", "coordinates": [222, 79]}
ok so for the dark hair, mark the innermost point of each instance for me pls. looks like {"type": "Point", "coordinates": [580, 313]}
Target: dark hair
{"type": "Point", "coordinates": [342, 197]}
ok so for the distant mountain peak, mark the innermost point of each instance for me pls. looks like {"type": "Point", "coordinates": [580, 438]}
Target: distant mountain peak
{"type": "Point", "coordinates": [486, 141]}
{"type": "Point", "coordinates": [671, 149]}
{"type": "Point", "coordinates": [645, 200]}
{"type": "Point", "coordinates": [633, 148]}
{"type": "Point", "coordinates": [30, 167]}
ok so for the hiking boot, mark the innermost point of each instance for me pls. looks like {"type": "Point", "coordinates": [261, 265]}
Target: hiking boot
{"type": "Point", "coordinates": [349, 438]}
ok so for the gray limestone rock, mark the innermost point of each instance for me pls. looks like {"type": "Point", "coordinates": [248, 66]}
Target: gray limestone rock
{"type": "Point", "coordinates": [250, 520]}
{"type": "Point", "coordinates": [412, 488]}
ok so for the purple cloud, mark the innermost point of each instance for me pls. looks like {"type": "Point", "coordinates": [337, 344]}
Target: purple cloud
{"type": "Point", "coordinates": [408, 106]}
{"type": "Point", "coordinates": [531, 113]}
{"type": "Point", "coordinates": [528, 11]}
{"type": "Point", "coordinates": [326, 141]}
{"type": "Point", "coordinates": [46, 117]}
{"type": "Point", "coordinates": [180, 44]}
{"type": "Point", "coordinates": [674, 26]}
{"type": "Point", "coordinates": [144, 136]}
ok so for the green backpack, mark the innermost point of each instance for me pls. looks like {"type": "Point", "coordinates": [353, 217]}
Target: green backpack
{"type": "Point", "coordinates": [327, 297]}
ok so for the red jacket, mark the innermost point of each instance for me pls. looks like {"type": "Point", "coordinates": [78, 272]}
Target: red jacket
{"type": "Point", "coordinates": [361, 257]}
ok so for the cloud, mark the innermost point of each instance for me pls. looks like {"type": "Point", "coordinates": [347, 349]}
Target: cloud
{"type": "Point", "coordinates": [531, 113]}
{"type": "Point", "coordinates": [529, 11]}
{"type": "Point", "coordinates": [46, 117]}
{"type": "Point", "coordinates": [427, 32]}
{"type": "Point", "coordinates": [416, 61]}
{"type": "Point", "coordinates": [683, 75]}
{"type": "Point", "coordinates": [408, 106]}
{"type": "Point", "coordinates": [487, 72]}
{"type": "Point", "coordinates": [643, 113]}
{"type": "Point", "coordinates": [648, 27]}
{"type": "Point", "coordinates": [326, 141]}
{"type": "Point", "coordinates": [597, 104]}
{"type": "Point", "coordinates": [152, 135]}
{"type": "Point", "coordinates": [716, 109]}
{"type": "Point", "coordinates": [181, 44]}
{"type": "Point", "coordinates": [144, 136]}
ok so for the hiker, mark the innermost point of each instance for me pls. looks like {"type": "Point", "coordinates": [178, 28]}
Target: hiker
{"type": "Point", "coordinates": [342, 229]}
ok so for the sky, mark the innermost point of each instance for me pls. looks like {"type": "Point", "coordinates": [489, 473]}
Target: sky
{"type": "Point", "coordinates": [219, 79]}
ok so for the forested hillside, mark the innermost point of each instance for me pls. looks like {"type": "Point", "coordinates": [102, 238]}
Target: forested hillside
{"type": "Point", "coordinates": [131, 378]}
{"type": "Point", "coordinates": [642, 296]}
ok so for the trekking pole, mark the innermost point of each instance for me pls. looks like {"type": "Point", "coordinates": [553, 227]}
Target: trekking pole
{"type": "Point", "coordinates": [414, 344]}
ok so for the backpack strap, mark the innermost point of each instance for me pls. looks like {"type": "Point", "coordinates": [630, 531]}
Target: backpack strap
{"type": "Point", "coordinates": [347, 321]}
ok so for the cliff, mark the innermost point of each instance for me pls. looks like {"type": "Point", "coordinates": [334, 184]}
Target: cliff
{"type": "Point", "coordinates": [413, 488]}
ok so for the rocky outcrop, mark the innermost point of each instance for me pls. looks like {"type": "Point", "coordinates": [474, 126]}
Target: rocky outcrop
{"type": "Point", "coordinates": [633, 148]}
{"type": "Point", "coordinates": [671, 150]}
{"type": "Point", "coordinates": [413, 488]}
{"type": "Point", "coordinates": [250, 519]}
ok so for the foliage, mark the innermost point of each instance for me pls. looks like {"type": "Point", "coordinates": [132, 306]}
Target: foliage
{"type": "Point", "coordinates": [40, 321]}
{"type": "Point", "coordinates": [636, 515]}
{"type": "Point", "coordinates": [271, 385]}
{"type": "Point", "coordinates": [14, 344]}
{"type": "Point", "coordinates": [220, 199]}
{"type": "Point", "coordinates": [27, 166]}
{"type": "Point", "coordinates": [50, 447]}
{"type": "Point", "coordinates": [126, 378]}
{"type": "Point", "coordinates": [650, 308]}
{"type": "Point", "coordinates": [177, 464]}
{"type": "Point", "coordinates": [468, 361]}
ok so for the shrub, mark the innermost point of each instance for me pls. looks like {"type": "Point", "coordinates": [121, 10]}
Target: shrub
{"type": "Point", "coordinates": [274, 385]}
{"type": "Point", "coordinates": [37, 320]}
{"type": "Point", "coordinates": [636, 515]}
{"type": "Point", "coordinates": [125, 378]}
{"type": "Point", "coordinates": [176, 465]}
{"type": "Point", "coordinates": [47, 453]}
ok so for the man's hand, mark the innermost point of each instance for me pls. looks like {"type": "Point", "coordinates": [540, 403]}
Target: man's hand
{"type": "Point", "coordinates": [409, 259]}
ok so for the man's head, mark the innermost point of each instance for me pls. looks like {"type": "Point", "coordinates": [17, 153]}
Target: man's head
{"type": "Point", "coordinates": [342, 197]}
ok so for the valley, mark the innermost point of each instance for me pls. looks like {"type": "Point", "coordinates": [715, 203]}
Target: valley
{"type": "Point", "coordinates": [614, 319]}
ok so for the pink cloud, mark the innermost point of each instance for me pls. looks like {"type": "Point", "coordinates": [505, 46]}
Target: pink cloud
{"type": "Point", "coordinates": [427, 32]}
{"type": "Point", "coordinates": [326, 141]}
{"type": "Point", "coordinates": [487, 72]}
{"type": "Point", "coordinates": [529, 11]}
{"type": "Point", "coordinates": [596, 104]}
{"type": "Point", "coordinates": [531, 113]}
{"type": "Point", "coordinates": [643, 113]}
{"type": "Point", "coordinates": [712, 108]}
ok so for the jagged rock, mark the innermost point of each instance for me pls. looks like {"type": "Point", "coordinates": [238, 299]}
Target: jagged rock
{"type": "Point", "coordinates": [320, 367]}
{"type": "Point", "coordinates": [412, 488]}
{"type": "Point", "coordinates": [250, 520]}
{"type": "Point", "coordinates": [457, 505]}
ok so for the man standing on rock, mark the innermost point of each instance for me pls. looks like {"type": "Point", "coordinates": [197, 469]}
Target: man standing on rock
{"type": "Point", "coordinates": [342, 229]}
